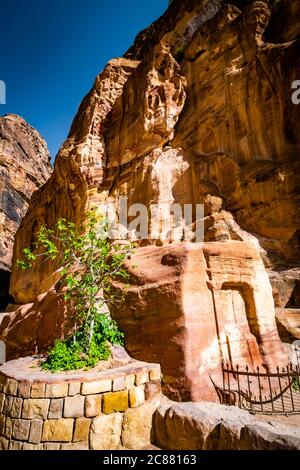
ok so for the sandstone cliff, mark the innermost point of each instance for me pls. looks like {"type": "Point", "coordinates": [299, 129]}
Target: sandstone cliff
{"type": "Point", "coordinates": [198, 111]}
{"type": "Point", "coordinates": [24, 167]}
{"type": "Point", "coordinates": [203, 90]}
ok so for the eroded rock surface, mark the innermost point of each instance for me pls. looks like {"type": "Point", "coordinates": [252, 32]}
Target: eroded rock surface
{"type": "Point", "coordinates": [288, 320]}
{"type": "Point", "coordinates": [198, 111]}
{"type": "Point", "coordinates": [212, 302]}
{"type": "Point", "coordinates": [24, 167]}
{"type": "Point", "coordinates": [207, 426]}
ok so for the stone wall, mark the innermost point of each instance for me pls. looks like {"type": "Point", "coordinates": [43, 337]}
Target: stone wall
{"type": "Point", "coordinates": [104, 410]}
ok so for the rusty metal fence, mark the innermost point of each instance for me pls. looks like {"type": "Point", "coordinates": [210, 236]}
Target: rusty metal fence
{"type": "Point", "coordinates": [261, 390]}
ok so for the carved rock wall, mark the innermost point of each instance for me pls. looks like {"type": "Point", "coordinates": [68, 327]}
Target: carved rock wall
{"type": "Point", "coordinates": [198, 111]}
{"type": "Point", "coordinates": [193, 305]}
{"type": "Point", "coordinates": [220, 116]}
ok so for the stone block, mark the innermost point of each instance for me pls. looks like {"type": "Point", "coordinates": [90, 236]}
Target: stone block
{"type": "Point", "coordinates": [100, 386]}
{"type": "Point", "coordinates": [129, 381]}
{"type": "Point", "coordinates": [8, 405]}
{"type": "Point", "coordinates": [82, 429]}
{"type": "Point", "coordinates": [58, 430]}
{"type": "Point", "coordinates": [92, 406]}
{"type": "Point", "coordinates": [2, 400]}
{"type": "Point", "coordinates": [16, 408]}
{"type": "Point", "coordinates": [141, 377]}
{"type": "Point", "coordinates": [269, 436]}
{"type": "Point", "coordinates": [56, 408]}
{"type": "Point", "coordinates": [38, 390]}
{"type": "Point", "coordinates": [74, 407]}
{"type": "Point", "coordinates": [136, 396]}
{"type": "Point", "coordinates": [155, 373]}
{"type": "Point", "coordinates": [51, 446]}
{"type": "Point", "coordinates": [4, 443]}
{"type": "Point", "coordinates": [34, 408]}
{"type": "Point", "coordinates": [152, 390]}
{"type": "Point", "coordinates": [186, 426]}
{"type": "Point", "coordinates": [8, 428]}
{"type": "Point", "coordinates": [106, 432]}
{"type": "Point", "coordinates": [27, 446]}
{"type": "Point", "coordinates": [2, 424]}
{"type": "Point", "coordinates": [119, 384]}
{"type": "Point", "coordinates": [15, 445]}
{"type": "Point", "coordinates": [137, 425]}
{"type": "Point", "coordinates": [74, 388]}
{"type": "Point", "coordinates": [21, 429]}
{"type": "Point", "coordinates": [35, 433]}
{"type": "Point", "coordinates": [75, 446]}
{"type": "Point", "coordinates": [12, 387]}
{"type": "Point", "coordinates": [24, 389]}
{"type": "Point", "coordinates": [58, 390]}
{"type": "Point", "coordinates": [114, 402]}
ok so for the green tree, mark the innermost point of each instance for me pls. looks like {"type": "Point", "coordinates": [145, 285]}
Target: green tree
{"type": "Point", "coordinates": [88, 262]}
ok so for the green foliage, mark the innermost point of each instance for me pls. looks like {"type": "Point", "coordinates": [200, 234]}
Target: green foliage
{"type": "Point", "coordinates": [88, 262]}
{"type": "Point", "coordinates": [179, 52]}
{"type": "Point", "coordinates": [296, 384]}
{"type": "Point", "coordinates": [69, 355]}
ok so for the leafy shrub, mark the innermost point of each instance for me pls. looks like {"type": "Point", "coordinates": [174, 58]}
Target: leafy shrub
{"type": "Point", "coordinates": [296, 384]}
{"type": "Point", "coordinates": [88, 262]}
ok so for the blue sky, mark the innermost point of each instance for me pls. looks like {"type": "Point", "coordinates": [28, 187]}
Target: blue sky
{"type": "Point", "coordinates": [52, 50]}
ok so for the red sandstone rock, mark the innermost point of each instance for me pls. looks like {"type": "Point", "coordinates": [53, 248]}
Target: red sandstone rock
{"type": "Point", "coordinates": [24, 167]}
{"type": "Point", "coordinates": [288, 320]}
{"type": "Point", "coordinates": [189, 306]}
{"type": "Point", "coordinates": [199, 111]}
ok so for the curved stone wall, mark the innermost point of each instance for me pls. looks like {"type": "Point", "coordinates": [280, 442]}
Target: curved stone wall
{"type": "Point", "coordinates": [107, 410]}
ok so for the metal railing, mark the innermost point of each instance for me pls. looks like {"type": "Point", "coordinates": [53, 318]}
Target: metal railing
{"type": "Point", "coordinates": [262, 391]}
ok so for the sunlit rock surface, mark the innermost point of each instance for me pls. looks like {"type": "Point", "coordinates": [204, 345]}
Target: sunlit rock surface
{"type": "Point", "coordinates": [198, 111]}
{"type": "Point", "coordinates": [24, 167]}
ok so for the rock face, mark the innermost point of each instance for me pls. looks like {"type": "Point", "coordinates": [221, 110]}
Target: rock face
{"type": "Point", "coordinates": [78, 172]}
{"type": "Point", "coordinates": [181, 291]}
{"type": "Point", "coordinates": [24, 167]}
{"type": "Point", "coordinates": [206, 426]}
{"type": "Point", "coordinates": [288, 320]}
{"type": "Point", "coordinates": [199, 111]}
